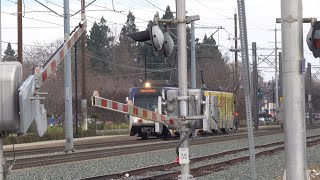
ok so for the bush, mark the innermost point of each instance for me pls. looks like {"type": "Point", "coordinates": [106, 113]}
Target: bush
{"type": "Point", "coordinates": [87, 133]}
{"type": "Point", "coordinates": [53, 133]}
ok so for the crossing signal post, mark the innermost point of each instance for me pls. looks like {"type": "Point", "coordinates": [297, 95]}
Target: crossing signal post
{"type": "Point", "coordinates": [20, 101]}
{"type": "Point", "coordinates": [160, 40]}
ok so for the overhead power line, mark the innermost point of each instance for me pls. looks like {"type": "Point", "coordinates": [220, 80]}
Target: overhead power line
{"type": "Point", "coordinates": [35, 19]}
{"type": "Point", "coordinates": [155, 6]}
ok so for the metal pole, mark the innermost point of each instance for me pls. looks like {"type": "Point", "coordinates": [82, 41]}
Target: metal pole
{"type": "Point", "coordinates": [83, 56]}
{"type": "Point", "coordinates": [2, 161]}
{"type": "Point", "coordinates": [76, 87]}
{"type": "Point", "coordinates": [145, 63]}
{"type": "Point", "coordinates": [68, 83]}
{"type": "Point", "coordinates": [0, 36]}
{"type": "Point", "coordinates": [246, 83]}
{"type": "Point", "coordinates": [276, 68]}
{"type": "Point", "coordinates": [193, 58]}
{"type": "Point", "coordinates": [293, 89]}
{"type": "Point", "coordinates": [255, 86]}
{"type": "Point", "coordinates": [281, 112]}
{"type": "Point", "coordinates": [183, 87]}
{"type": "Point", "coordinates": [280, 76]}
{"type": "Point", "coordinates": [273, 89]}
{"type": "Point", "coordinates": [19, 31]}
{"type": "Point", "coordinates": [236, 51]}
{"type": "Point", "coordinates": [309, 93]}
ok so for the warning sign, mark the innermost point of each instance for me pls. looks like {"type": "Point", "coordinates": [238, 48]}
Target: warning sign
{"type": "Point", "coordinates": [184, 156]}
{"type": "Point", "coordinates": [281, 99]}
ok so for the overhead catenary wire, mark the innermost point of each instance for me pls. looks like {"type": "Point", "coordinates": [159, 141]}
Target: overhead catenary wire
{"type": "Point", "coordinates": [128, 67]}
{"type": "Point", "coordinates": [35, 19]}
{"type": "Point", "coordinates": [155, 6]}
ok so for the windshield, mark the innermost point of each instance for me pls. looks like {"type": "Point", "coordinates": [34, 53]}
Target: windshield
{"type": "Point", "coordinates": [149, 103]}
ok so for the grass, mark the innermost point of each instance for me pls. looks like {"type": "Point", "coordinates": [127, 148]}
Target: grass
{"type": "Point", "coordinates": [57, 133]}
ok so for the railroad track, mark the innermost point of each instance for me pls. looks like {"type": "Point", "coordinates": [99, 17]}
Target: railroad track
{"type": "Point", "coordinates": [169, 171]}
{"type": "Point", "coordinates": [79, 146]}
{"type": "Point", "coordinates": [58, 158]}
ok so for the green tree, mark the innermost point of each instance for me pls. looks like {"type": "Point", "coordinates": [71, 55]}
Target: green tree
{"type": "Point", "coordinates": [98, 43]}
{"type": "Point", "coordinates": [129, 28]}
{"type": "Point", "coordinates": [217, 71]}
{"type": "Point", "coordinates": [9, 54]}
{"type": "Point", "coordinates": [156, 60]}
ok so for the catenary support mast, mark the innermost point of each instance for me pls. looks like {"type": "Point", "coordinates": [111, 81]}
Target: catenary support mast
{"type": "Point", "coordinates": [293, 89]}
{"type": "Point", "coordinates": [68, 84]}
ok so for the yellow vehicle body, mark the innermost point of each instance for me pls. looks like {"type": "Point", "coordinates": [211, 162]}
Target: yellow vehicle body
{"type": "Point", "coordinates": [225, 103]}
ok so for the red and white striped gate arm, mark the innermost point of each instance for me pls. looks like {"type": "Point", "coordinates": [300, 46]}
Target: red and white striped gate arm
{"type": "Point", "coordinates": [52, 63]}
{"type": "Point", "coordinates": [135, 111]}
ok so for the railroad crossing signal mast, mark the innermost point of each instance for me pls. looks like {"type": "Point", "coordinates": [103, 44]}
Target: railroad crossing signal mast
{"type": "Point", "coordinates": [20, 101]}
{"type": "Point", "coordinates": [293, 89]}
{"type": "Point", "coordinates": [159, 40]}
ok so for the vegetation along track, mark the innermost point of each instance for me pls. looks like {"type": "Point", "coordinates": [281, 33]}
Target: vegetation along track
{"type": "Point", "coordinates": [168, 171]}
{"type": "Point", "coordinates": [57, 158]}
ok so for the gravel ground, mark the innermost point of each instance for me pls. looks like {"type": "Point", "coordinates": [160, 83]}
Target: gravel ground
{"type": "Point", "coordinates": [268, 168]}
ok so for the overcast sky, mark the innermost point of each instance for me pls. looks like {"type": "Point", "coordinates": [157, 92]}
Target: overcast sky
{"type": "Point", "coordinates": [45, 27]}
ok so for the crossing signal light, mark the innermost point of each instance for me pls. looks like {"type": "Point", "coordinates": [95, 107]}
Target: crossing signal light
{"type": "Point", "coordinates": [168, 44]}
{"type": "Point", "coordinates": [155, 37]}
{"type": "Point", "coordinates": [313, 39]}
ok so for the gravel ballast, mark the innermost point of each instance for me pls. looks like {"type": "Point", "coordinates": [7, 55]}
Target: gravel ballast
{"type": "Point", "coordinates": [269, 167]}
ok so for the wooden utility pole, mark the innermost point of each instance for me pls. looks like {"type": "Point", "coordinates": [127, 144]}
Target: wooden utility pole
{"type": "Point", "coordinates": [84, 125]}
{"type": "Point", "coordinates": [83, 59]}
{"type": "Point", "coordinates": [235, 75]}
{"type": "Point", "coordinates": [19, 30]}
{"type": "Point", "coordinates": [255, 87]}
{"type": "Point", "coordinates": [83, 53]}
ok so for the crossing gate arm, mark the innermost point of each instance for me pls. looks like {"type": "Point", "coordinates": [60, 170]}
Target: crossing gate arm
{"type": "Point", "coordinates": [52, 63]}
{"type": "Point", "coordinates": [135, 111]}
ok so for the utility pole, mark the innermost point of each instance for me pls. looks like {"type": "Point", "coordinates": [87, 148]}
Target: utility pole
{"type": "Point", "coordinates": [280, 113]}
{"type": "Point", "coordinates": [76, 87]}
{"type": "Point", "coordinates": [84, 124]}
{"type": "Point", "coordinates": [280, 78]}
{"type": "Point", "coordinates": [145, 63]}
{"type": "Point", "coordinates": [0, 35]}
{"type": "Point", "coordinates": [2, 161]}
{"type": "Point", "coordinates": [235, 76]}
{"type": "Point", "coordinates": [68, 84]}
{"type": "Point", "coordinates": [309, 87]}
{"type": "Point", "coordinates": [276, 68]}
{"type": "Point", "coordinates": [19, 31]}
{"type": "Point", "coordinates": [293, 89]}
{"type": "Point", "coordinates": [183, 84]}
{"type": "Point", "coordinates": [193, 58]}
{"type": "Point", "coordinates": [273, 93]}
{"type": "Point", "coordinates": [246, 84]}
{"type": "Point", "coordinates": [255, 87]}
